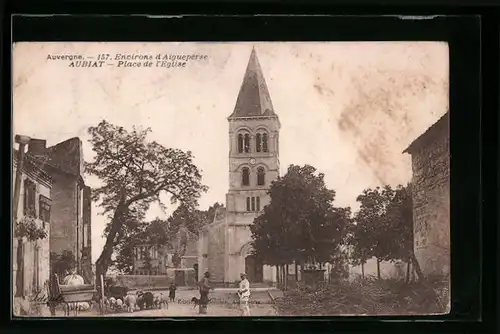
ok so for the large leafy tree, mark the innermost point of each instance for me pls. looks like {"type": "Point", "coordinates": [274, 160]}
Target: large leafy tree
{"type": "Point", "coordinates": [384, 226]}
{"type": "Point", "coordinates": [399, 221]}
{"type": "Point", "coordinates": [369, 234]}
{"type": "Point", "coordinates": [300, 223]}
{"type": "Point", "coordinates": [134, 173]}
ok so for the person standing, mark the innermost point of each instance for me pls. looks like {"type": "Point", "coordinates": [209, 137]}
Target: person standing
{"type": "Point", "coordinates": [171, 292]}
{"type": "Point", "coordinates": [205, 287]}
{"type": "Point", "coordinates": [244, 294]}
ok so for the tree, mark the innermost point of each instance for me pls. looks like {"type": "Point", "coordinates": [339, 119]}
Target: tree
{"type": "Point", "coordinates": [134, 173]}
{"type": "Point", "coordinates": [370, 233]}
{"type": "Point", "coordinates": [62, 263]}
{"type": "Point", "coordinates": [399, 221]}
{"type": "Point", "coordinates": [300, 223]}
{"type": "Point", "coordinates": [384, 227]}
{"type": "Point", "coordinates": [194, 219]}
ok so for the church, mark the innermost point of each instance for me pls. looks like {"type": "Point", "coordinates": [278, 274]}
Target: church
{"type": "Point", "coordinates": [224, 246]}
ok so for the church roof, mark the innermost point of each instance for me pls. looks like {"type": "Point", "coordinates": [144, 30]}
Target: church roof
{"type": "Point", "coordinates": [253, 98]}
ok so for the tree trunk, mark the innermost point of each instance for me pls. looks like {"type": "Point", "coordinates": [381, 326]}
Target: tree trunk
{"type": "Point", "coordinates": [278, 283]}
{"type": "Point", "coordinates": [103, 262]}
{"type": "Point", "coordinates": [20, 269]}
{"type": "Point", "coordinates": [378, 268]}
{"type": "Point", "coordinates": [296, 271]}
{"type": "Point", "coordinates": [416, 265]}
{"type": "Point", "coordinates": [286, 268]}
{"type": "Point", "coordinates": [285, 281]}
{"type": "Point", "coordinates": [363, 270]}
{"type": "Point", "coordinates": [408, 264]}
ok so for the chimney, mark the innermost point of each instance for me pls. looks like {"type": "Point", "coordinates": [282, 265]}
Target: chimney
{"type": "Point", "coordinates": [37, 147]}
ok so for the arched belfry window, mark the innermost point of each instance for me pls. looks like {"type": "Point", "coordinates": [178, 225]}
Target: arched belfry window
{"type": "Point", "coordinates": [245, 176]}
{"type": "Point", "coordinates": [248, 203]}
{"type": "Point", "coordinates": [261, 176]}
{"type": "Point", "coordinates": [253, 203]}
{"type": "Point", "coordinates": [240, 143]}
{"type": "Point", "coordinates": [264, 143]}
{"type": "Point", "coordinates": [247, 143]}
{"type": "Point", "coordinates": [258, 142]}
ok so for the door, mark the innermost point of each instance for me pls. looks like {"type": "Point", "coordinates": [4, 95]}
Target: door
{"type": "Point", "coordinates": [253, 269]}
{"type": "Point", "coordinates": [180, 278]}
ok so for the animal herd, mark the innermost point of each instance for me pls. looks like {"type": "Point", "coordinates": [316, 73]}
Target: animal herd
{"type": "Point", "coordinates": [135, 301]}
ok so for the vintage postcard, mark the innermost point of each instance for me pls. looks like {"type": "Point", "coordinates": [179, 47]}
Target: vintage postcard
{"type": "Point", "coordinates": [230, 179]}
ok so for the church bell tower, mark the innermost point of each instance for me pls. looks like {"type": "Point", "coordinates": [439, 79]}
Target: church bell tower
{"type": "Point", "coordinates": [254, 146]}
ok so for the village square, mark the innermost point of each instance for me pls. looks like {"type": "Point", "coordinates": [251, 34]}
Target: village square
{"type": "Point", "coordinates": [279, 226]}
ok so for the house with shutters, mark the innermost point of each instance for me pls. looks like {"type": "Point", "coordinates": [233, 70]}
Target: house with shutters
{"type": "Point", "coordinates": [34, 201]}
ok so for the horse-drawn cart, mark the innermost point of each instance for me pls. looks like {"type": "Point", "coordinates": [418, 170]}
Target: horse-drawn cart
{"type": "Point", "coordinates": [74, 294]}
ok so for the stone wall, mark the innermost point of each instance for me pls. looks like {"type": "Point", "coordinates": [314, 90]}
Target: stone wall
{"type": "Point", "coordinates": [431, 205]}
{"type": "Point", "coordinates": [87, 234]}
{"type": "Point", "coordinates": [216, 252]}
{"type": "Point", "coordinates": [387, 270]}
{"type": "Point", "coordinates": [63, 215]}
{"type": "Point", "coordinates": [67, 156]}
{"type": "Point", "coordinates": [155, 281]}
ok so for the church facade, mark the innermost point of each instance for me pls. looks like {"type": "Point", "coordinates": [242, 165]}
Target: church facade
{"type": "Point", "coordinates": [224, 247]}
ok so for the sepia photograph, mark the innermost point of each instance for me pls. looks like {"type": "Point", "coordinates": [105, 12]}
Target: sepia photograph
{"type": "Point", "coordinates": [235, 179]}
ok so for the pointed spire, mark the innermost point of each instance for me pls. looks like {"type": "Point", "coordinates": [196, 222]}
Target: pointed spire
{"type": "Point", "coordinates": [253, 98]}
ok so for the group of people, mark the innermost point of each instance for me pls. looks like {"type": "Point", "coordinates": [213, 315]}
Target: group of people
{"type": "Point", "coordinates": [243, 294]}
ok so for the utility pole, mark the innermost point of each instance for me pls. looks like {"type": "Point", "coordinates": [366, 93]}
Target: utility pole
{"type": "Point", "coordinates": [22, 141]}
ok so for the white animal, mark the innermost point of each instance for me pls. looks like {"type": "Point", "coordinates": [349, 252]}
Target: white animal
{"type": "Point", "coordinates": [131, 302]}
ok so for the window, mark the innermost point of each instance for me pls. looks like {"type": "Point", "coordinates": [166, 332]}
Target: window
{"type": "Point", "coordinates": [44, 209]}
{"type": "Point", "coordinates": [247, 143]}
{"type": "Point", "coordinates": [261, 176]}
{"type": "Point", "coordinates": [264, 143]}
{"type": "Point", "coordinates": [261, 142]}
{"type": "Point", "coordinates": [253, 204]}
{"type": "Point", "coordinates": [240, 143]}
{"type": "Point", "coordinates": [245, 177]}
{"type": "Point", "coordinates": [29, 203]}
{"type": "Point", "coordinates": [258, 142]}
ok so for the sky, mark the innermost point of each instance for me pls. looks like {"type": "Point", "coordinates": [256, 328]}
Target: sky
{"type": "Point", "coordinates": [347, 108]}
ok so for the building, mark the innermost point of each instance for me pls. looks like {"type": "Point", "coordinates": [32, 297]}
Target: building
{"type": "Point", "coordinates": [225, 245]}
{"type": "Point", "coordinates": [71, 202]}
{"type": "Point", "coordinates": [430, 157]}
{"type": "Point", "coordinates": [161, 257]}
{"type": "Point", "coordinates": [34, 200]}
